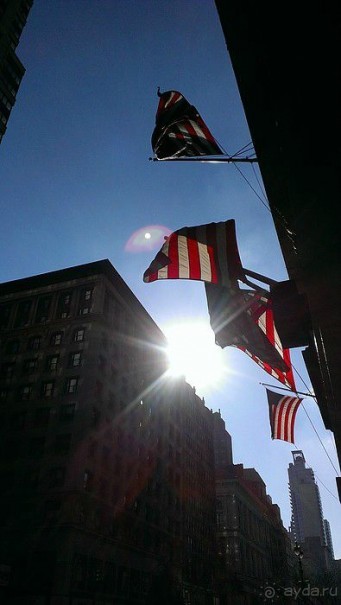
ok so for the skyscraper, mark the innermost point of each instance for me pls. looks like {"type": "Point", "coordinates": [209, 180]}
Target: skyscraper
{"type": "Point", "coordinates": [13, 16]}
{"type": "Point", "coordinates": [107, 465]}
{"type": "Point", "coordinates": [307, 524]}
{"type": "Point", "coordinates": [329, 540]}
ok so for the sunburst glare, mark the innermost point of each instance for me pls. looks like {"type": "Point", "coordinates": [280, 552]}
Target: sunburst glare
{"type": "Point", "coordinates": [193, 353]}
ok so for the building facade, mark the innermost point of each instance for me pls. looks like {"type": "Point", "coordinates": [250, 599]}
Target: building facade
{"type": "Point", "coordinates": [253, 545]}
{"type": "Point", "coordinates": [107, 465]}
{"type": "Point", "coordinates": [13, 16]}
{"type": "Point", "coordinates": [307, 525]}
{"type": "Point", "coordinates": [290, 95]}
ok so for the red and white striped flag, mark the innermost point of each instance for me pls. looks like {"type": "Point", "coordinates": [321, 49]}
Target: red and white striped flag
{"type": "Point", "coordinates": [244, 319]}
{"type": "Point", "coordinates": [261, 313]}
{"type": "Point", "coordinates": [179, 129]}
{"type": "Point", "coordinates": [282, 411]}
{"type": "Point", "coordinates": [207, 253]}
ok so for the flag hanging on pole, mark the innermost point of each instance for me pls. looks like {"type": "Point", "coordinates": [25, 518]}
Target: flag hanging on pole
{"type": "Point", "coordinates": [244, 319]}
{"type": "Point", "coordinates": [206, 253]}
{"type": "Point", "coordinates": [282, 412]}
{"type": "Point", "coordinates": [240, 318]}
{"type": "Point", "coordinates": [179, 129]}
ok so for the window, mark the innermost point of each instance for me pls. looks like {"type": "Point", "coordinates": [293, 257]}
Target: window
{"type": "Point", "coordinates": [30, 365]}
{"type": "Point", "coordinates": [88, 481]}
{"type": "Point", "coordinates": [34, 343]}
{"type": "Point", "coordinates": [75, 359]}
{"type": "Point", "coordinates": [64, 305]}
{"type": "Point", "coordinates": [12, 347]}
{"type": "Point", "coordinates": [52, 363]}
{"type": "Point", "coordinates": [25, 392]}
{"type": "Point", "coordinates": [67, 412]}
{"type": "Point", "coordinates": [84, 309]}
{"type": "Point", "coordinates": [72, 385]}
{"type": "Point", "coordinates": [43, 309]}
{"type": "Point", "coordinates": [87, 294]}
{"type": "Point", "coordinates": [56, 338]}
{"type": "Point", "coordinates": [85, 301]}
{"type": "Point", "coordinates": [7, 370]}
{"type": "Point", "coordinates": [23, 313]}
{"type": "Point", "coordinates": [48, 389]}
{"type": "Point", "coordinates": [78, 335]}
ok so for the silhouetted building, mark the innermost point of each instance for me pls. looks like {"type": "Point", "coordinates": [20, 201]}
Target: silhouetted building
{"type": "Point", "coordinates": [253, 545]}
{"type": "Point", "coordinates": [13, 15]}
{"type": "Point", "coordinates": [107, 465]}
{"type": "Point", "coordinates": [329, 540]}
{"type": "Point", "coordinates": [287, 67]}
{"type": "Point", "coordinates": [307, 523]}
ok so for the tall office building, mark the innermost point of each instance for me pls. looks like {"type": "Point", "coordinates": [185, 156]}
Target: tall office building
{"type": "Point", "coordinates": [329, 540]}
{"type": "Point", "coordinates": [13, 16]}
{"type": "Point", "coordinates": [107, 465]}
{"type": "Point", "coordinates": [307, 524]}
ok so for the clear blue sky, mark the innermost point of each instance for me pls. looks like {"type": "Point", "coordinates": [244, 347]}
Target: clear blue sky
{"type": "Point", "coordinates": [76, 183]}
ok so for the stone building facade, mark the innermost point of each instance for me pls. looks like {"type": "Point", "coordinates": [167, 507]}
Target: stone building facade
{"type": "Point", "coordinates": [107, 464]}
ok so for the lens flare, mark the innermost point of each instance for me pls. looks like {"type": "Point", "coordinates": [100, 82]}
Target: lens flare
{"type": "Point", "coordinates": [147, 238]}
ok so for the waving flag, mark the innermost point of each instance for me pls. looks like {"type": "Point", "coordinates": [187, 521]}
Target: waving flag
{"type": "Point", "coordinates": [180, 130]}
{"type": "Point", "coordinates": [282, 411]}
{"type": "Point", "coordinates": [240, 318]}
{"type": "Point", "coordinates": [207, 253]}
{"type": "Point", "coordinates": [244, 319]}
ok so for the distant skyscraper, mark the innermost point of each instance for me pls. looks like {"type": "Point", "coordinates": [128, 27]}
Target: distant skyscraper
{"type": "Point", "coordinates": [307, 523]}
{"type": "Point", "coordinates": [329, 540]}
{"type": "Point", "coordinates": [13, 15]}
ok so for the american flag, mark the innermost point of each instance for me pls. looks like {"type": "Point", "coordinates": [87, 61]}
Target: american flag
{"type": "Point", "coordinates": [244, 319]}
{"type": "Point", "coordinates": [180, 130]}
{"type": "Point", "coordinates": [282, 412]}
{"type": "Point", "coordinates": [240, 318]}
{"type": "Point", "coordinates": [207, 253]}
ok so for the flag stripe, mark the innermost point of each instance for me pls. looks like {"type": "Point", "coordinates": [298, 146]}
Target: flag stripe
{"type": "Point", "coordinates": [163, 272]}
{"type": "Point", "coordinates": [283, 410]}
{"type": "Point", "coordinates": [293, 416]}
{"type": "Point", "coordinates": [205, 263]}
{"type": "Point", "coordinates": [212, 230]}
{"type": "Point", "coordinates": [184, 255]}
{"type": "Point", "coordinates": [193, 259]}
{"type": "Point", "coordinates": [173, 267]}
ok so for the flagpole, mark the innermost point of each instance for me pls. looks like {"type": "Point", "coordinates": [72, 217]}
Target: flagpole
{"type": "Point", "coordinates": [266, 280]}
{"type": "Point", "coordinates": [217, 160]}
{"type": "Point", "coordinates": [285, 389]}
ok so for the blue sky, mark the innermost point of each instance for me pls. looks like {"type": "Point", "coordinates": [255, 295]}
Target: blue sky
{"type": "Point", "coordinates": [76, 183]}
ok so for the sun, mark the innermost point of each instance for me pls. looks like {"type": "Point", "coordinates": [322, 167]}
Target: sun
{"type": "Point", "coordinates": [193, 353]}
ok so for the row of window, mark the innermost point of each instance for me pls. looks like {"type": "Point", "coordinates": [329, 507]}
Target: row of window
{"type": "Point", "coordinates": [23, 310]}
{"type": "Point", "coordinates": [48, 388]}
{"type": "Point", "coordinates": [30, 366]}
{"type": "Point", "coordinates": [12, 347]}
{"type": "Point", "coordinates": [47, 391]}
